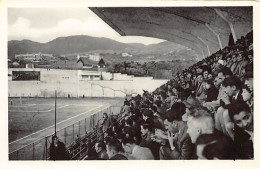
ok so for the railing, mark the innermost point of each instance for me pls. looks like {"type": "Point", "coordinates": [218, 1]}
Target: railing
{"type": "Point", "coordinates": [76, 137]}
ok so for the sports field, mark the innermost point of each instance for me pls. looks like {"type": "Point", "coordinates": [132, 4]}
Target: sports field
{"type": "Point", "coordinates": [29, 117]}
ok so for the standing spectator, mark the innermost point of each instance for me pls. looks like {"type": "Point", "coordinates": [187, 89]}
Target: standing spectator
{"type": "Point", "coordinates": [106, 123]}
{"type": "Point", "coordinates": [57, 149]}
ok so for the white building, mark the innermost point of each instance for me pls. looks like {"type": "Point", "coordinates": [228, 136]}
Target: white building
{"type": "Point", "coordinates": [33, 56]}
{"type": "Point", "coordinates": [126, 55]}
{"type": "Point", "coordinates": [94, 57]}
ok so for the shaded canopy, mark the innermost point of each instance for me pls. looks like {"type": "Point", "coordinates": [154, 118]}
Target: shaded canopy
{"type": "Point", "coordinates": [194, 27]}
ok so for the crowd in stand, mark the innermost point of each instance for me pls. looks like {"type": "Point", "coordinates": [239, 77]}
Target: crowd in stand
{"type": "Point", "coordinates": [206, 112]}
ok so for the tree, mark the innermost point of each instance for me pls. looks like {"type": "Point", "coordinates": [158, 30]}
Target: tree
{"type": "Point", "coordinates": [101, 63]}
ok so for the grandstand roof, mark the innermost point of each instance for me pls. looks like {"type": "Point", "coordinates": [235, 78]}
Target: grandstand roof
{"type": "Point", "coordinates": [193, 27]}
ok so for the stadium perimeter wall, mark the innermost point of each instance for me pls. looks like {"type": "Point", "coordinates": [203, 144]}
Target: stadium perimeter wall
{"type": "Point", "coordinates": [70, 83]}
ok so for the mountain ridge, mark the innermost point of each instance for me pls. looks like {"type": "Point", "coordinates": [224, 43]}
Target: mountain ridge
{"type": "Point", "coordinates": [84, 43]}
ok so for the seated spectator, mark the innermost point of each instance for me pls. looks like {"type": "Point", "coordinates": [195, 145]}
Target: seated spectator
{"type": "Point", "coordinates": [146, 130]}
{"type": "Point", "coordinates": [241, 116]}
{"type": "Point", "coordinates": [239, 61]}
{"type": "Point", "coordinates": [234, 63]}
{"type": "Point", "coordinates": [200, 92]}
{"type": "Point", "coordinates": [212, 149]}
{"type": "Point", "coordinates": [228, 61]}
{"type": "Point", "coordinates": [232, 87]}
{"type": "Point", "coordinates": [247, 95]}
{"type": "Point", "coordinates": [210, 76]}
{"type": "Point", "coordinates": [147, 133]}
{"type": "Point", "coordinates": [196, 111]}
{"type": "Point", "coordinates": [248, 76]}
{"type": "Point", "coordinates": [136, 152]}
{"type": "Point", "coordinates": [180, 146]}
{"type": "Point", "coordinates": [222, 74]}
{"type": "Point", "coordinates": [155, 121]}
{"type": "Point", "coordinates": [201, 128]}
{"type": "Point", "coordinates": [114, 150]}
{"type": "Point", "coordinates": [100, 148]}
{"type": "Point", "coordinates": [205, 74]}
{"type": "Point", "coordinates": [211, 91]}
{"type": "Point", "coordinates": [178, 91]}
{"type": "Point", "coordinates": [241, 66]}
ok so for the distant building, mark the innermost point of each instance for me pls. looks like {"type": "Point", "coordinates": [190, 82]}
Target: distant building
{"type": "Point", "coordinates": [29, 65]}
{"type": "Point", "coordinates": [85, 62]}
{"type": "Point", "coordinates": [33, 56]}
{"type": "Point", "coordinates": [93, 57]}
{"type": "Point", "coordinates": [126, 55]}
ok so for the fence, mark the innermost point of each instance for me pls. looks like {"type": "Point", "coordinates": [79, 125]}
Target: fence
{"type": "Point", "coordinates": [76, 137]}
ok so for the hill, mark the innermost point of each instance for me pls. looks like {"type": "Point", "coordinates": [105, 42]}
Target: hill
{"type": "Point", "coordinates": [83, 43]}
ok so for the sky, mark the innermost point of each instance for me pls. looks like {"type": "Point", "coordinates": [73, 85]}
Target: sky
{"type": "Point", "coordinates": [45, 24]}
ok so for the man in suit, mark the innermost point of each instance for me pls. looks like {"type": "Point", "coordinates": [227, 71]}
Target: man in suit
{"type": "Point", "coordinates": [100, 148]}
{"type": "Point", "coordinates": [179, 143]}
{"type": "Point", "coordinates": [224, 73]}
{"type": "Point", "coordinates": [240, 114]}
{"type": "Point", "coordinates": [136, 152]}
{"type": "Point", "coordinates": [232, 87]}
{"type": "Point", "coordinates": [200, 92]}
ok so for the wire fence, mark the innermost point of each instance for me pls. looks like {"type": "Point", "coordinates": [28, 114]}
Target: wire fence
{"type": "Point", "coordinates": [76, 137]}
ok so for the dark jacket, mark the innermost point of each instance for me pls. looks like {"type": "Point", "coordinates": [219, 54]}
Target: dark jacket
{"type": "Point", "coordinates": [59, 152]}
{"type": "Point", "coordinates": [183, 145]}
{"type": "Point", "coordinates": [149, 143]}
{"type": "Point", "coordinates": [212, 94]}
{"type": "Point", "coordinates": [228, 152]}
{"type": "Point", "coordinates": [118, 157]}
{"type": "Point", "coordinates": [243, 144]}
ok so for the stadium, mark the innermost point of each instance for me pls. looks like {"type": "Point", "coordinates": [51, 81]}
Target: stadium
{"type": "Point", "coordinates": [204, 112]}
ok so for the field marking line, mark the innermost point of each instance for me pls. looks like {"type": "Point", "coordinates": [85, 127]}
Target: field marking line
{"type": "Point", "coordinates": [24, 105]}
{"type": "Point", "coordinates": [41, 111]}
{"type": "Point", "coordinates": [57, 124]}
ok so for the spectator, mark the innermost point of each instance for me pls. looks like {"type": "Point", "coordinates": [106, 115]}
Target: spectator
{"type": "Point", "coordinates": [114, 150]}
{"type": "Point", "coordinates": [211, 91]}
{"type": "Point", "coordinates": [234, 63]}
{"type": "Point", "coordinates": [212, 106]}
{"type": "Point", "coordinates": [57, 149]}
{"type": "Point", "coordinates": [147, 133]}
{"type": "Point", "coordinates": [247, 95]}
{"type": "Point", "coordinates": [232, 87]}
{"type": "Point", "coordinates": [106, 122]}
{"type": "Point", "coordinates": [213, 149]}
{"type": "Point", "coordinates": [241, 116]}
{"type": "Point", "coordinates": [135, 151]}
{"type": "Point", "coordinates": [200, 92]}
{"type": "Point", "coordinates": [100, 148]}
{"type": "Point", "coordinates": [180, 146]}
